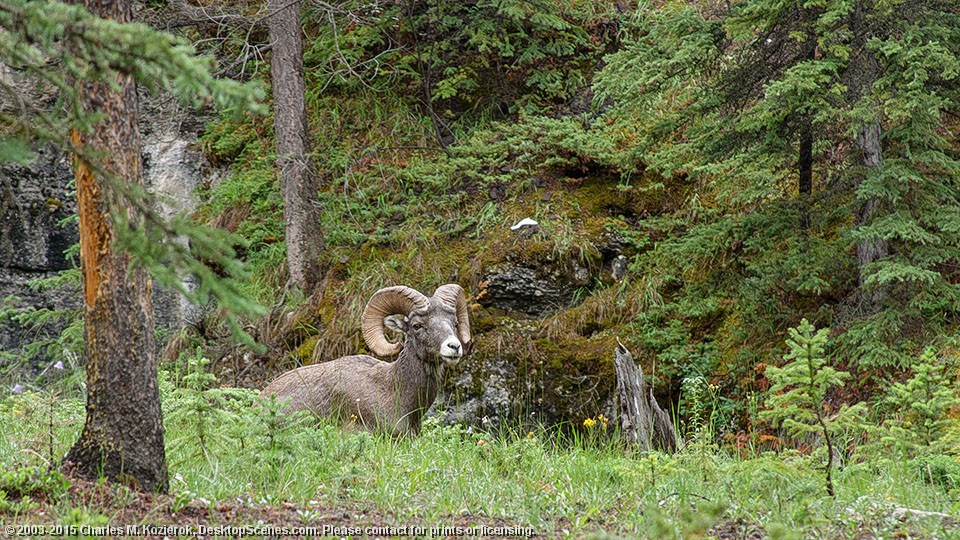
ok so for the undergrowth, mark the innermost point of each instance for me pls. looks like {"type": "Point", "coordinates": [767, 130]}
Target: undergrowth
{"type": "Point", "coordinates": [226, 444]}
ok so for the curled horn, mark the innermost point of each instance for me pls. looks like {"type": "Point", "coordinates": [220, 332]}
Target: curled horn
{"type": "Point", "coordinates": [398, 300]}
{"type": "Point", "coordinates": [453, 295]}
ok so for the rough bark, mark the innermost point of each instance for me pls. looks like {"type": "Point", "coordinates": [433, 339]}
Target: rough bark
{"type": "Point", "coordinates": [122, 438]}
{"type": "Point", "coordinates": [301, 204]}
{"type": "Point", "coordinates": [805, 181]}
{"type": "Point", "coordinates": [860, 77]}
{"type": "Point", "coordinates": [643, 422]}
{"type": "Point", "coordinates": [870, 250]}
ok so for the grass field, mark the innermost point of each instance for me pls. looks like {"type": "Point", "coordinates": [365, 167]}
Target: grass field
{"type": "Point", "coordinates": [247, 467]}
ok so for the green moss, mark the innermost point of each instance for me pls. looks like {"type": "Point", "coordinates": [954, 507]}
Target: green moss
{"type": "Point", "coordinates": [304, 353]}
{"type": "Point", "coordinates": [579, 354]}
{"type": "Point", "coordinates": [483, 320]}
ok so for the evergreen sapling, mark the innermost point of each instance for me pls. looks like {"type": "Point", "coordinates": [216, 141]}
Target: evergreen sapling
{"type": "Point", "coordinates": [919, 423]}
{"type": "Point", "coordinates": [797, 400]}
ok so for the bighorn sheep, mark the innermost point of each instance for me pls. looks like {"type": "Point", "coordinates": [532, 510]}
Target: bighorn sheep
{"type": "Point", "coordinates": [389, 396]}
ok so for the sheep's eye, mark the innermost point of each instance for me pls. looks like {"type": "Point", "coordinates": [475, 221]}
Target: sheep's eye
{"type": "Point", "coordinates": [417, 326]}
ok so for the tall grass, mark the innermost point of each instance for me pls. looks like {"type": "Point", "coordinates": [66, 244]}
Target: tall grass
{"type": "Point", "coordinates": [558, 484]}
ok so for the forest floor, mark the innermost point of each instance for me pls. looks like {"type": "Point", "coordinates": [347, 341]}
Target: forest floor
{"type": "Point", "coordinates": [149, 515]}
{"type": "Point", "coordinates": [239, 468]}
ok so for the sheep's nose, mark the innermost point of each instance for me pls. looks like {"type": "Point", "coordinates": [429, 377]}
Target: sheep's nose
{"type": "Point", "coordinates": [451, 348]}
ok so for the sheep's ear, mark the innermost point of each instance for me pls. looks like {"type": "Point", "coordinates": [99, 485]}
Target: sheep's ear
{"type": "Point", "coordinates": [397, 323]}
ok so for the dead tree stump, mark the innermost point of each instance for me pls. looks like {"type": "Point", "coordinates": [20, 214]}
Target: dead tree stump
{"type": "Point", "coordinates": [643, 422]}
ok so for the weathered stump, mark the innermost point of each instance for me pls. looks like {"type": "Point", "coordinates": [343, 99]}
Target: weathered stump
{"type": "Point", "coordinates": [643, 422]}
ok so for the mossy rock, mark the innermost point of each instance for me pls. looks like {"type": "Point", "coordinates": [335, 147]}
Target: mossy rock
{"type": "Point", "coordinates": [304, 352]}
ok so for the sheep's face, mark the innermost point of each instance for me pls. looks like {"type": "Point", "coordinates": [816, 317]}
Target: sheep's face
{"type": "Point", "coordinates": [431, 334]}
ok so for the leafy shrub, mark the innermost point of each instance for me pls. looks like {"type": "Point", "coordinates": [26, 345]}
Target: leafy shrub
{"type": "Point", "coordinates": [940, 470]}
{"type": "Point", "coordinates": [32, 481]}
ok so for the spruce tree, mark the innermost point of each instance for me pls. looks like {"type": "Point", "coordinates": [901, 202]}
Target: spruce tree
{"type": "Point", "coordinates": [100, 61]}
{"type": "Point", "coordinates": [811, 141]}
{"type": "Point", "coordinates": [918, 419]}
{"type": "Point", "coordinates": [797, 399]}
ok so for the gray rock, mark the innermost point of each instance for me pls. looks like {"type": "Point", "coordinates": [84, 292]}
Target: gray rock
{"type": "Point", "coordinates": [36, 202]}
{"type": "Point", "coordinates": [173, 168]}
{"type": "Point", "coordinates": [493, 406]}
{"type": "Point", "coordinates": [534, 290]}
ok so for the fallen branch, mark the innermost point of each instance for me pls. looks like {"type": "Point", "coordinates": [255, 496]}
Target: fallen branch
{"type": "Point", "coordinates": [187, 14]}
{"type": "Point", "coordinates": [901, 514]}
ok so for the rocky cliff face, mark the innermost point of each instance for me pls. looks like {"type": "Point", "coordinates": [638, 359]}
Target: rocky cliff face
{"type": "Point", "coordinates": [36, 204]}
{"type": "Point", "coordinates": [174, 167]}
{"type": "Point", "coordinates": [36, 225]}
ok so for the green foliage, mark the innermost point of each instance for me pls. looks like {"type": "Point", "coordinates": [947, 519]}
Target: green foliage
{"type": "Point", "coordinates": [719, 111]}
{"type": "Point", "coordinates": [706, 410]}
{"type": "Point", "coordinates": [204, 411]}
{"type": "Point", "coordinates": [82, 519]}
{"type": "Point", "coordinates": [691, 523]}
{"type": "Point", "coordinates": [798, 393]}
{"type": "Point", "coordinates": [33, 481]}
{"type": "Point", "coordinates": [33, 34]}
{"type": "Point", "coordinates": [939, 470]}
{"type": "Point", "coordinates": [37, 35]}
{"type": "Point", "coordinates": [798, 390]}
{"type": "Point", "coordinates": [218, 433]}
{"type": "Point", "coordinates": [256, 455]}
{"type": "Point", "coordinates": [460, 58]}
{"type": "Point", "coordinates": [20, 487]}
{"type": "Point", "coordinates": [65, 346]}
{"type": "Point", "coordinates": [208, 257]}
{"type": "Point", "coordinates": [248, 201]}
{"type": "Point", "coordinates": [16, 150]}
{"type": "Point", "coordinates": [700, 445]}
{"type": "Point", "coordinates": [917, 411]}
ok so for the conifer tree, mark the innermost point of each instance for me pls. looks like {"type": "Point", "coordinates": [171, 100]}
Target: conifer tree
{"type": "Point", "coordinates": [918, 421]}
{"type": "Point", "coordinates": [100, 61]}
{"type": "Point", "coordinates": [298, 177]}
{"type": "Point", "coordinates": [123, 433]}
{"type": "Point", "coordinates": [801, 130]}
{"type": "Point", "coordinates": [797, 399]}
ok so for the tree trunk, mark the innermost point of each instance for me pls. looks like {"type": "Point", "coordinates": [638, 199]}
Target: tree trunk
{"type": "Point", "coordinates": [870, 250]}
{"type": "Point", "coordinates": [805, 158]}
{"type": "Point", "coordinates": [301, 204]}
{"type": "Point", "coordinates": [805, 182]}
{"type": "Point", "coordinates": [643, 422]}
{"type": "Point", "coordinates": [122, 438]}
{"type": "Point", "coordinates": [862, 73]}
